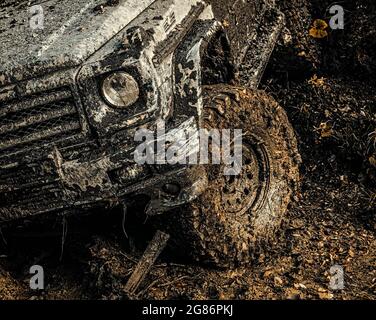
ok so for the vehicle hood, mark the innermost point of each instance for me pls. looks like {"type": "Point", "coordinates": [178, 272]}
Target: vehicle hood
{"type": "Point", "coordinates": [73, 30]}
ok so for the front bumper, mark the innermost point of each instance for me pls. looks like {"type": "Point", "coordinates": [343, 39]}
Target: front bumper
{"type": "Point", "coordinates": [53, 185]}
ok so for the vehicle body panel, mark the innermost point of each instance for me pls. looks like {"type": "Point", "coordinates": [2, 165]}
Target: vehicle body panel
{"type": "Point", "coordinates": [73, 30]}
{"type": "Point", "coordinates": [62, 147]}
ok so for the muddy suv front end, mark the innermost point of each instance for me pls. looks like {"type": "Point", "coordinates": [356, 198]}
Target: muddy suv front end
{"type": "Point", "coordinates": [153, 103]}
{"type": "Point", "coordinates": [65, 146]}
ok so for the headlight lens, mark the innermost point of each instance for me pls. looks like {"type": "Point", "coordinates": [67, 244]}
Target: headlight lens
{"type": "Point", "coordinates": [120, 89]}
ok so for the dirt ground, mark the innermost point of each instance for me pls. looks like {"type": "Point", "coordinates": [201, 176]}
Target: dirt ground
{"type": "Point", "coordinates": [327, 87]}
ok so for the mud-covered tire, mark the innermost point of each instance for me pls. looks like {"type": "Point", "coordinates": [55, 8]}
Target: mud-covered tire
{"type": "Point", "coordinates": [211, 229]}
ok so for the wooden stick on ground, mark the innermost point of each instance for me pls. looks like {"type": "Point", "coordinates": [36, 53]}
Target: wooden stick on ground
{"type": "Point", "coordinates": [152, 252]}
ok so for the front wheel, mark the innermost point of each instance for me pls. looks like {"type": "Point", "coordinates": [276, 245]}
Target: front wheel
{"type": "Point", "coordinates": [236, 214]}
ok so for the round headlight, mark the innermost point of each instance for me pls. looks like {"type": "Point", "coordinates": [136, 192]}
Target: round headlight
{"type": "Point", "coordinates": [120, 89]}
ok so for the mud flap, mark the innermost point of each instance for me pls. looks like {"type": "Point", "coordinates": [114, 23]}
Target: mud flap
{"type": "Point", "coordinates": [253, 28]}
{"type": "Point", "coordinates": [260, 48]}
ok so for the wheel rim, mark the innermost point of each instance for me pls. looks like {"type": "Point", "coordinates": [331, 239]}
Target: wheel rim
{"type": "Point", "coordinates": [248, 190]}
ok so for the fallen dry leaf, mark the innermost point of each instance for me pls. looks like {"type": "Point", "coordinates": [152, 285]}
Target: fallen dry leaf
{"type": "Point", "coordinates": [316, 81]}
{"type": "Point", "coordinates": [325, 130]}
{"type": "Point", "coordinates": [318, 30]}
{"type": "Point", "coordinates": [226, 23]}
{"type": "Point", "coordinates": [325, 295]}
{"type": "Point", "coordinates": [293, 294]}
{"type": "Point", "coordinates": [372, 161]}
{"type": "Point", "coordinates": [278, 281]}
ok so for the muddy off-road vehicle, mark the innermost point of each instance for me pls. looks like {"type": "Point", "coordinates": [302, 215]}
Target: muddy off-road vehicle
{"type": "Point", "coordinates": [74, 92]}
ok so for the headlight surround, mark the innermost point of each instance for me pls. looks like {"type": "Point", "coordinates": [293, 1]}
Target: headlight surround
{"type": "Point", "coordinates": [120, 89]}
